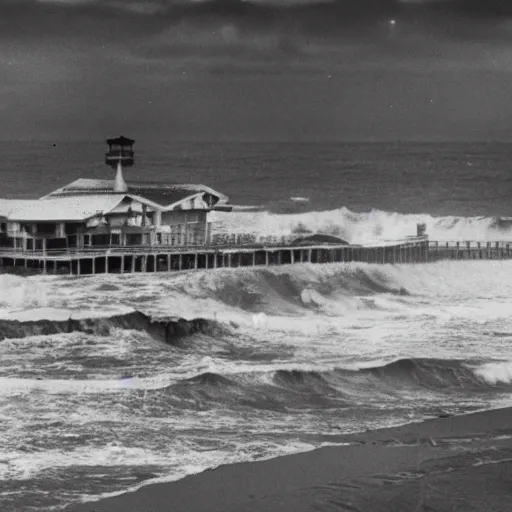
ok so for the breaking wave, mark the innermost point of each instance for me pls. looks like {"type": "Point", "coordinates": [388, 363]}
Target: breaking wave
{"type": "Point", "coordinates": [229, 294]}
{"type": "Point", "coordinates": [284, 388]}
{"type": "Point", "coordinates": [364, 227]}
{"type": "Point", "coordinates": [170, 331]}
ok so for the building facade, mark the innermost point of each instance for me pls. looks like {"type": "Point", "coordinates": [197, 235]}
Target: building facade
{"type": "Point", "coordinates": [91, 219]}
{"type": "Point", "coordinates": [93, 213]}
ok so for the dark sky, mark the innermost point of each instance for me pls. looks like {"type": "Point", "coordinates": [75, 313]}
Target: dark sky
{"type": "Point", "coordinates": [252, 70]}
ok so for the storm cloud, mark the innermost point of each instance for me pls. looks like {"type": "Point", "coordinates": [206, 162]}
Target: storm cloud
{"type": "Point", "coordinates": [370, 69]}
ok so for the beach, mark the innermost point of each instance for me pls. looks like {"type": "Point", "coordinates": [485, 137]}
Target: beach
{"type": "Point", "coordinates": [450, 463]}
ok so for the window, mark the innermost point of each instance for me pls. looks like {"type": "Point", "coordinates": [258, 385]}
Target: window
{"type": "Point", "coordinates": [72, 241]}
{"type": "Point", "coordinates": [71, 228]}
{"type": "Point", "coordinates": [55, 244]}
{"type": "Point", "coordinates": [134, 239]}
{"type": "Point", "coordinates": [46, 229]}
{"type": "Point", "coordinates": [100, 240]}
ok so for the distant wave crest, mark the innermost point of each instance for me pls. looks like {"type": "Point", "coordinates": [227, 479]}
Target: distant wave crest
{"type": "Point", "coordinates": [362, 227]}
{"type": "Point", "coordinates": [170, 331]}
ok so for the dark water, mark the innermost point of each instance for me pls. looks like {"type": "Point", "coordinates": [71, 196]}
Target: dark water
{"type": "Point", "coordinates": [286, 358]}
{"type": "Point", "coordinates": [438, 179]}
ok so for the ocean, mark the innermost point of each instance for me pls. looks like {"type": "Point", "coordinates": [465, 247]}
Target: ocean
{"type": "Point", "coordinates": [287, 358]}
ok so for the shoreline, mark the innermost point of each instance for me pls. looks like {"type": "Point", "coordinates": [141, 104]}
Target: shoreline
{"type": "Point", "coordinates": [455, 463]}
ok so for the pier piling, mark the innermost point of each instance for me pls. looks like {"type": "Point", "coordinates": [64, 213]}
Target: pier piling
{"type": "Point", "coordinates": [134, 260]}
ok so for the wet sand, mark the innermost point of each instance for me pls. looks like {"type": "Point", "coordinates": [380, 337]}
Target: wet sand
{"type": "Point", "coordinates": [452, 464]}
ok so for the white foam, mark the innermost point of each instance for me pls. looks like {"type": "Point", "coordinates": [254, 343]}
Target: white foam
{"type": "Point", "coordinates": [493, 373]}
{"type": "Point", "coordinates": [364, 227]}
{"type": "Point", "coordinates": [59, 315]}
{"type": "Point", "coordinates": [19, 292]}
{"type": "Point", "coordinates": [15, 386]}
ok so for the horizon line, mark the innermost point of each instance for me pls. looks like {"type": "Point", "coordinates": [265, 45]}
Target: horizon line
{"type": "Point", "coordinates": [162, 140]}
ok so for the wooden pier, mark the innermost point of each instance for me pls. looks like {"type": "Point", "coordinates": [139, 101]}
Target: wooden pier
{"type": "Point", "coordinates": [120, 260]}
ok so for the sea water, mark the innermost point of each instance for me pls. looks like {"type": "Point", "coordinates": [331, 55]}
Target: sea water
{"type": "Point", "coordinates": [291, 356]}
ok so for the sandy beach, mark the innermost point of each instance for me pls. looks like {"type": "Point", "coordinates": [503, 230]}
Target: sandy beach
{"type": "Point", "coordinates": [458, 463]}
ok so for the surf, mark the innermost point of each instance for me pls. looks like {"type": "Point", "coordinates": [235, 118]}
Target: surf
{"type": "Point", "coordinates": [363, 227]}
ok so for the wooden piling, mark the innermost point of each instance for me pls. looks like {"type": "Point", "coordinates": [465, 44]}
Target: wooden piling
{"type": "Point", "coordinates": [116, 260]}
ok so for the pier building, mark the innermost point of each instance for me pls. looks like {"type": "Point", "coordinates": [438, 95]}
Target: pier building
{"type": "Point", "coordinates": [93, 213]}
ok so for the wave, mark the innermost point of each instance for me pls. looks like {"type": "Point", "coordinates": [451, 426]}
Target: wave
{"type": "Point", "coordinates": [331, 289]}
{"type": "Point", "coordinates": [170, 331]}
{"type": "Point", "coordinates": [342, 289]}
{"type": "Point", "coordinates": [496, 373]}
{"type": "Point", "coordinates": [281, 386]}
{"type": "Point", "coordinates": [364, 227]}
{"type": "Point", "coordinates": [432, 374]}
{"type": "Point", "coordinates": [20, 292]}
{"type": "Point", "coordinates": [278, 389]}
{"type": "Point", "coordinates": [287, 291]}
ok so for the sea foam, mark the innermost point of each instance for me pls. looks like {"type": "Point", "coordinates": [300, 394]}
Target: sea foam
{"type": "Point", "coordinates": [364, 227]}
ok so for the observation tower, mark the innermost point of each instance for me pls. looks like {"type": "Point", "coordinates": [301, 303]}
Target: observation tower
{"type": "Point", "coordinates": [120, 154]}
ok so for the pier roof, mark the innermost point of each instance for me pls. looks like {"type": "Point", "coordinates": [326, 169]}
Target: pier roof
{"type": "Point", "coordinates": [169, 196]}
{"type": "Point", "coordinates": [83, 186]}
{"type": "Point", "coordinates": [67, 208]}
{"type": "Point", "coordinates": [7, 206]}
{"type": "Point", "coordinates": [165, 195]}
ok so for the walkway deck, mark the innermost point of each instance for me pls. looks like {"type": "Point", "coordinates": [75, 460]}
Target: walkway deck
{"type": "Point", "coordinates": [167, 259]}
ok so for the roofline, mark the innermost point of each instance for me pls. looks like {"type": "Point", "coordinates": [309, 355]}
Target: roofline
{"type": "Point", "coordinates": [203, 189]}
{"type": "Point", "coordinates": [116, 140]}
{"type": "Point", "coordinates": [143, 200]}
{"type": "Point", "coordinates": [171, 206]}
{"type": "Point", "coordinates": [83, 219]}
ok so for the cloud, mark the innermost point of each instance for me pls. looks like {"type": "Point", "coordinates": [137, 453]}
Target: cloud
{"type": "Point", "coordinates": [336, 18]}
{"type": "Point", "coordinates": [231, 36]}
{"type": "Point", "coordinates": [245, 66]}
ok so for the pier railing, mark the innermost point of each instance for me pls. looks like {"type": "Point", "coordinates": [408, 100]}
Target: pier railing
{"type": "Point", "coordinates": [433, 249]}
{"type": "Point", "coordinates": [255, 243]}
{"type": "Point", "coordinates": [159, 258]}
{"type": "Point", "coordinates": [220, 245]}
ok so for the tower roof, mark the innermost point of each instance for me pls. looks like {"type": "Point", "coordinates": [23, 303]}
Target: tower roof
{"type": "Point", "coordinates": [121, 141]}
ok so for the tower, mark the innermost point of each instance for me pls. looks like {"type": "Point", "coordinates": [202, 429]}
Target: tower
{"type": "Point", "coordinates": [120, 154]}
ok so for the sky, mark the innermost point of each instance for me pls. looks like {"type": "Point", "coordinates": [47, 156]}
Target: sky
{"type": "Point", "coordinates": [221, 70]}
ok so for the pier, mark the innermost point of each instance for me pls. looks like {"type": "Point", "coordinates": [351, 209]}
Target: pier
{"type": "Point", "coordinates": [149, 259]}
{"type": "Point", "coordinates": [111, 226]}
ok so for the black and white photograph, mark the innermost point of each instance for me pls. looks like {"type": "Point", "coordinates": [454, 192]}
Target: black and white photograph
{"type": "Point", "coordinates": [256, 255]}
